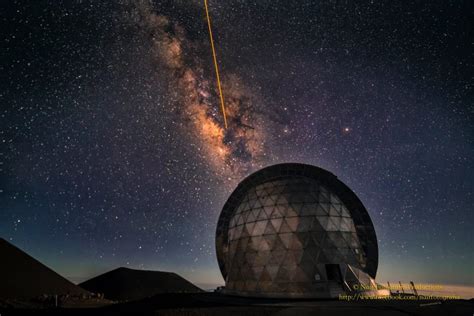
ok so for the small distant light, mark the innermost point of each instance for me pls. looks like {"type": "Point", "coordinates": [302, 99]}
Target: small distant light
{"type": "Point", "coordinates": [346, 129]}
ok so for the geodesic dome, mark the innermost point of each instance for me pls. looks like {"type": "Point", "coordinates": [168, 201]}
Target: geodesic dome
{"type": "Point", "coordinates": [294, 230]}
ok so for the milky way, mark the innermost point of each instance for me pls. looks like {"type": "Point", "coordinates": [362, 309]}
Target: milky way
{"type": "Point", "coordinates": [231, 152]}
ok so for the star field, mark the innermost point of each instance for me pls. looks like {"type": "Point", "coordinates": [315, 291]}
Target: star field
{"type": "Point", "coordinates": [114, 151]}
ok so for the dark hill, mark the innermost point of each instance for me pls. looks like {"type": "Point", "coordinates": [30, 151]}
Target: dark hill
{"type": "Point", "coordinates": [23, 277]}
{"type": "Point", "coordinates": [130, 284]}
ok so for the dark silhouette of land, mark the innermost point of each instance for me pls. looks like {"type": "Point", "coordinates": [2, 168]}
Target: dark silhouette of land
{"type": "Point", "coordinates": [125, 284]}
{"type": "Point", "coordinates": [23, 280]}
{"type": "Point", "coordinates": [217, 304]}
{"type": "Point", "coordinates": [23, 277]}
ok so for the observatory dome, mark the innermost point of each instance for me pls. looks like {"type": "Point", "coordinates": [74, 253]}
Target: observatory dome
{"type": "Point", "coordinates": [295, 230]}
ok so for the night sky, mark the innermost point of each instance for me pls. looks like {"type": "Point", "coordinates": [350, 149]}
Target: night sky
{"type": "Point", "coordinates": [114, 151]}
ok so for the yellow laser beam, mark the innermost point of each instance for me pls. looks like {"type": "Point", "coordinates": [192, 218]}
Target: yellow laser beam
{"type": "Point", "coordinates": [215, 63]}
